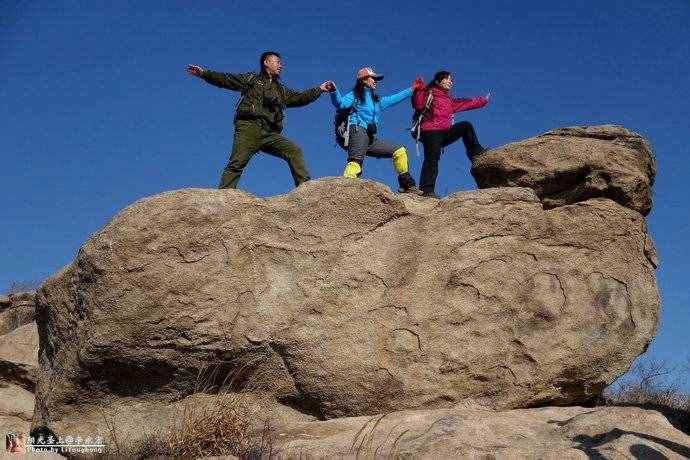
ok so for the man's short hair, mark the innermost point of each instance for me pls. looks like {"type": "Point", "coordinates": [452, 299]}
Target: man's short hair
{"type": "Point", "coordinates": [266, 54]}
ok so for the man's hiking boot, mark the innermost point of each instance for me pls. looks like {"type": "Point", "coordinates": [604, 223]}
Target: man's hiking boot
{"type": "Point", "coordinates": [429, 195]}
{"type": "Point", "coordinates": [412, 189]}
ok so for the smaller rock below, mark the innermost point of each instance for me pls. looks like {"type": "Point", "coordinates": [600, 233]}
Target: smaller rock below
{"type": "Point", "coordinates": [548, 432]}
{"type": "Point", "coordinates": [20, 346]}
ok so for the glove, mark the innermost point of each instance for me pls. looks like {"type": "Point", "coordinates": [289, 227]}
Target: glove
{"type": "Point", "coordinates": [418, 84]}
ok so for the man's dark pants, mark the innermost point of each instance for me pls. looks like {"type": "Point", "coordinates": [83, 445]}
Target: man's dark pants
{"type": "Point", "coordinates": [252, 136]}
{"type": "Point", "coordinates": [434, 141]}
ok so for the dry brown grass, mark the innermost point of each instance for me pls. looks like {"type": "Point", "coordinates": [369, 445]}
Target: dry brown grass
{"type": "Point", "coordinates": [223, 418]}
{"type": "Point", "coordinates": [638, 395]}
{"type": "Point", "coordinates": [16, 287]}
{"type": "Point", "coordinates": [219, 428]}
{"type": "Point", "coordinates": [655, 385]}
{"type": "Point", "coordinates": [651, 382]}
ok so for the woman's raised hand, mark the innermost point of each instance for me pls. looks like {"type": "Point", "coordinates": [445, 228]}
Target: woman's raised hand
{"type": "Point", "coordinates": [418, 84]}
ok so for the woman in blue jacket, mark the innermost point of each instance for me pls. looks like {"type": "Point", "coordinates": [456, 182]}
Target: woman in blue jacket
{"type": "Point", "coordinates": [358, 135]}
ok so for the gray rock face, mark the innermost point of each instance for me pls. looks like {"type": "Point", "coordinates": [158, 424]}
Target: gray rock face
{"type": "Point", "coordinates": [18, 361]}
{"type": "Point", "coordinates": [20, 346]}
{"type": "Point", "coordinates": [343, 299]}
{"type": "Point", "coordinates": [568, 165]}
{"type": "Point", "coordinates": [546, 433]}
{"type": "Point", "coordinates": [16, 407]}
{"type": "Point", "coordinates": [16, 310]}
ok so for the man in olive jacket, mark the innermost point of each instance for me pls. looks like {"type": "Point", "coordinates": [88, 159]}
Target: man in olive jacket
{"type": "Point", "coordinates": [259, 116]}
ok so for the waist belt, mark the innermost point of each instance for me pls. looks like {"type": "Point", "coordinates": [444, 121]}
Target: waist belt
{"type": "Point", "coordinates": [261, 121]}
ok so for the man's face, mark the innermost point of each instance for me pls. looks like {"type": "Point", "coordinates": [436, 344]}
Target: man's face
{"type": "Point", "coordinates": [273, 65]}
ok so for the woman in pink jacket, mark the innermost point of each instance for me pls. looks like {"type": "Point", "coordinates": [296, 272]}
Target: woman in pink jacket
{"type": "Point", "coordinates": [436, 129]}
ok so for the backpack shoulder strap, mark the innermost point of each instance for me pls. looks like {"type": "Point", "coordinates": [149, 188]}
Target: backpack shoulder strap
{"type": "Point", "coordinates": [417, 117]}
{"type": "Point", "coordinates": [346, 129]}
{"type": "Point", "coordinates": [281, 92]}
{"type": "Point", "coordinates": [251, 81]}
{"type": "Point", "coordinates": [428, 102]}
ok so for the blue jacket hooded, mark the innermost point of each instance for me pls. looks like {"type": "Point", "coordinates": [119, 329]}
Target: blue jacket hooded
{"type": "Point", "coordinates": [369, 111]}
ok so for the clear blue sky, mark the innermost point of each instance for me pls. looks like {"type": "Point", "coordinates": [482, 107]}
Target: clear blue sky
{"type": "Point", "coordinates": [97, 110]}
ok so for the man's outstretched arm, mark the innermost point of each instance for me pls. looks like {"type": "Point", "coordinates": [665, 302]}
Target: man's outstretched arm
{"type": "Point", "coordinates": [233, 81]}
{"type": "Point", "coordinates": [301, 98]}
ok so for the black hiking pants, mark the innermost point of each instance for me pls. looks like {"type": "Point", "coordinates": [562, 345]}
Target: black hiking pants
{"type": "Point", "coordinates": [434, 141]}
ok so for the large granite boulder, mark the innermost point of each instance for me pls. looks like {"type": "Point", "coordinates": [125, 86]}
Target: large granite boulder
{"type": "Point", "coordinates": [344, 299]}
{"type": "Point", "coordinates": [569, 165]}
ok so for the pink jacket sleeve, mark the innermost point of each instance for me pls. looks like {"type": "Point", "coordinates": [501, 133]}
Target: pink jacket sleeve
{"type": "Point", "coordinates": [419, 99]}
{"type": "Point", "coordinates": [462, 104]}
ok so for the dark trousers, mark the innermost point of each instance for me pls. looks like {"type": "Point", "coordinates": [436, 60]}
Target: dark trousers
{"type": "Point", "coordinates": [252, 136]}
{"type": "Point", "coordinates": [434, 141]}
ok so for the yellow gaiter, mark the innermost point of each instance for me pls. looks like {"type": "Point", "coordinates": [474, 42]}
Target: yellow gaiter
{"type": "Point", "coordinates": [353, 169]}
{"type": "Point", "coordinates": [400, 160]}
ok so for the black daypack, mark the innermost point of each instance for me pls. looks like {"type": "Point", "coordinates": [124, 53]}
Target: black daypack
{"type": "Point", "coordinates": [342, 125]}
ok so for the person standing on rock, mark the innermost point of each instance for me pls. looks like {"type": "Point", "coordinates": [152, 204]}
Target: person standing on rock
{"type": "Point", "coordinates": [361, 109]}
{"type": "Point", "coordinates": [259, 116]}
{"type": "Point", "coordinates": [436, 107]}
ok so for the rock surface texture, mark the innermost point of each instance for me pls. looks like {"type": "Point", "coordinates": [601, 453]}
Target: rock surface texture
{"type": "Point", "coordinates": [569, 165]}
{"type": "Point", "coordinates": [547, 433]}
{"type": "Point", "coordinates": [344, 299]}
{"type": "Point", "coordinates": [18, 361]}
{"type": "Point", "coordinates": [16, 310]}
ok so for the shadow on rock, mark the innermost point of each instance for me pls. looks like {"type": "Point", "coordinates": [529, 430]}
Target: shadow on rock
{"type": "Point", "coordinates": [589, 445]}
